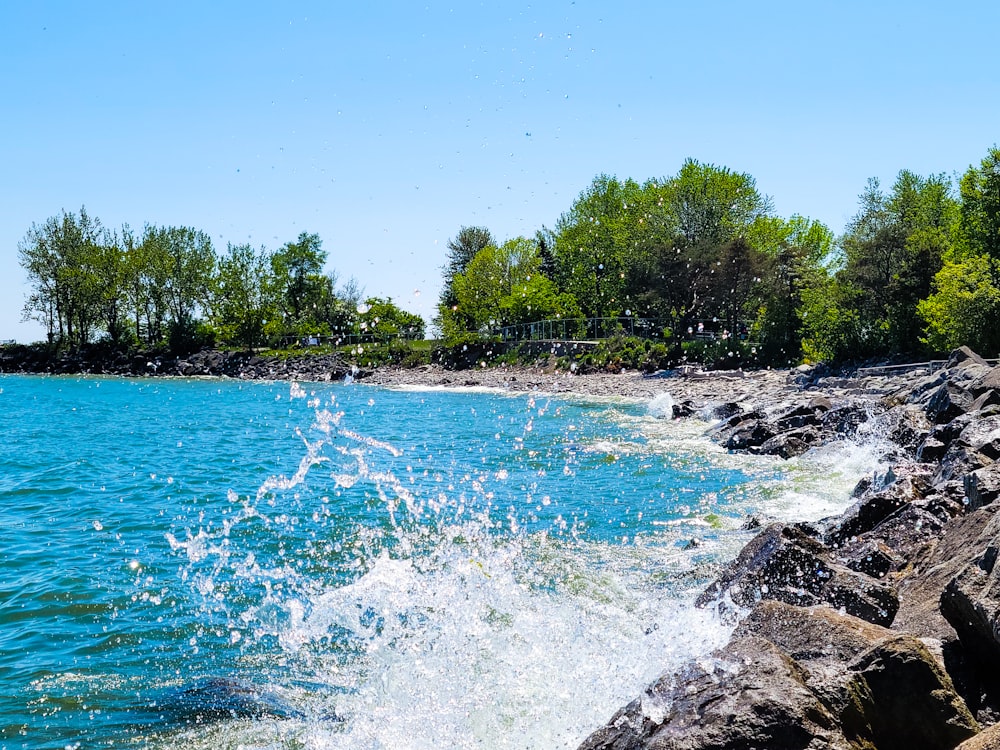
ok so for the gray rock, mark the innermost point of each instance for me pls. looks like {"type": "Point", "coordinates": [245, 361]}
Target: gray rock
{"type": "Point", "coordinates": [747, 695]}
{"type": "Point", "coordinates": [901, 699]}
{"type": "Point", "coordinates": [784, 564]}
{"type": "Point", "coordinates": [948, 401]}
{"type": "Point", "coordinates": [982, 486]}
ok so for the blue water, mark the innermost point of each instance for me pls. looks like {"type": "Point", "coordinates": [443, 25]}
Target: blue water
{"type": "Point", "coordinates": [391, 569]}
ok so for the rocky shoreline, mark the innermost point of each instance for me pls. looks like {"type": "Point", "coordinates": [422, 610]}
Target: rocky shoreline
{"type": "Point", "coordinates": [878, 628]}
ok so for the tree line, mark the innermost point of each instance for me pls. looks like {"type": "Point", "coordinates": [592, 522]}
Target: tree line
{"type": "Point", "coordinates": [916, 270]}
{"type": "Point", "coordinates": [168, 287]}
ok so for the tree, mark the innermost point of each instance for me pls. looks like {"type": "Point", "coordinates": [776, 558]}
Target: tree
{"type": "Point", "coordinates": [980, 211]}
{"type": "Point", "coordinates": [799, 250]}
{"type": "Point", "coordinates": [592, 245]}
{"type": "Point", "coordinates": [182, 260]}
{"type": "Point", "coordinates": [385, 320]}
{"type": "Point", "coordinates": [692, 244]}
{"type": "Point", "coordinates": [62, 258]}
{"type": "Point", "coordinates": [502, 286]}
{"type": "Point", "coordinates": [965, 306]}
{"type": "Point", "coordinates": [244, 296]}
{"type": "Point", "coordinates": [461, 250]}
{"type": "Point", "coordinates": [298, 271]}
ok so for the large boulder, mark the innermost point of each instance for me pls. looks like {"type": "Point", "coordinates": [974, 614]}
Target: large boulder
{"type": "Point", "coordinates": [749, 694]}
{"type": "Point", "coordinates": [902, 699]}
{"type": "Point", "coordinates": [988, 739]}
{"type": "Point", "coordinates": [900, 486]}
{"type": "Point", "coordinates": [783, 563]}
{"type": "Point", "coordinates": [982, 486]}
{"type": "Point", "coordinates": [971, 603]}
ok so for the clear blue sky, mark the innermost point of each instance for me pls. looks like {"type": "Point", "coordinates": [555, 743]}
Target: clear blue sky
{"type": "Point", "coordinates": [386, 126]}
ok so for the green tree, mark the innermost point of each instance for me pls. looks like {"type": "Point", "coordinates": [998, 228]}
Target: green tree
{"type": "Point", "coordinates": [502, 286]}
{"type": "Point", "coordinates": [592, 245]}
{"type": "Point", "coordinates": [62, 258]}
{"type": "Point", "coordinates": [965, 306]}
{"type": "Point", "coordinates": [183, 260]}
{"type": "Point", "coordinates": [798, 251]}
{"type": "Point", "coordinates": [980, 210]}
{"type": "Point", "coordinates": [694, 247]}
{"type": "Point", "coordinates": [385, 320]}
{"type": "Point", "coordinates": [461, 250]}
{"type": "Point", "coordinates": [298, 271]}
{"type": "Point", "coordinates": [245, 296]}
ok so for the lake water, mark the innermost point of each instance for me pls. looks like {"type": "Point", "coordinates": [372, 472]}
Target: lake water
{"type": "Point", "coordinates": [389, 568]}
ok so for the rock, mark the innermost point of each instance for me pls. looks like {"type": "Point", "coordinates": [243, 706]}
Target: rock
{"type": "Point", "coordinates": [906, 426]}
{"type": "Point", "coordinates": [985, 399]}
{"type": "Point", "coordinates": [727, 410]}
{"type": "Point", "coordinates": [932, 449]}
{"type": "Point", "coordinates": [982, 436]}
{"type": "Point", "coordinates": [971, 603]}
{"type": "Point", "coordinates": [799, 416]}
{"type": "Point", "coordinates": [988, 739]}
{"type": "Point", "coordinates": [820, 404]}
{"type": "Point", "coordinates": [964, 356]}
{"type": "Point", "coordinates": [784, 564]}
{"type": "Point", "coordinates": [947, 402]}
{"type": "Point", "coordinates": [982, 486]}
{"type": "Point", "coordinates": [845, 419]}
{"type": "Point", "coordinates": [683, 409]}
{"type": "Point", "coordinates": [958, 461]}
{"type": "Point", "coordinates": [901, 486]}
{"type": "Point", "coordinates": [750, 434]}
{"type": "Point", "coordinates": [790, 444]}
{"type": "Point", "coordinates": [987, 381]}
{"type": "Point", "coordinates": [747, 695]}
{"type": "Point", "coordinates": [873, 558]}
{"type": "Point", "coordinates": [901, 699]}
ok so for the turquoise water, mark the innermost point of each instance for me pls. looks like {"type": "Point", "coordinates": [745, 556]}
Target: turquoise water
{"type": "Point", "coordinates": [391, 569]}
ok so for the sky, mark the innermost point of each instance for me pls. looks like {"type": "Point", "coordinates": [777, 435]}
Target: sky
{"type": "Point", "coordinates": [384, 127]}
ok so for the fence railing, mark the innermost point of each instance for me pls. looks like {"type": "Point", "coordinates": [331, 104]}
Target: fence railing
{"type": "Point", "coordinates": [575, 329]}
{"type": "Point", "coordinates": [345, 339]}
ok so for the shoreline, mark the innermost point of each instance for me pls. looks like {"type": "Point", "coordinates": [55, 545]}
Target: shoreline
{"type": "Point", "coordinates": [875, 628]}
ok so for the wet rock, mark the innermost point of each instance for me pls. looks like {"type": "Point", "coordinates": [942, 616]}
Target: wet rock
{"type": "Point", "coordinates": [931, 449]}
{"type": "Point", "coordinates": [971, 603]}
{"type": "Point", "coordinates": [872, 557]}
{"type": "Point", "coordinates": [799, 416]}
{"type": "Point", "coordinates": [727, 410]}
{"type": "Point", "coordinates": [751, 434]}
{"type": "Point", "coordinates": [748, 694]}
{"type": "Point", "coordinates": [958, 461]}
{"type": "Point", "coordinates": [784, 564]}
{"type": "Point", "coordinates": [877, 501]}
{"type": "Point", "coordinates": [947, 402]}
{"type": "Point", "coordinates": [906, 426]}
{"type": "Point", "coordinates": [901, 699]}
{"type": "Point", "coordinates": [790, 444]}
{"type": "Point", "coordinates": [684, 409]}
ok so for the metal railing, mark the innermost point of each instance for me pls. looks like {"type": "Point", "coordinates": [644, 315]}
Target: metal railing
{"type": "Point", "coordinates": [592, 329]}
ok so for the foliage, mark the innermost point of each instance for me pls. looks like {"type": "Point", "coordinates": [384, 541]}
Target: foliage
{"type": "Point", "coordinates": [245, 296]}
{"type": "Point", "coordinates": [503, 286]}
{"type": "Point", "coordinates": [965, 306]}
{"type": "Point", "coordinates": [385, 320]}
{"type": "Point", "coordinates": [167, 287]}
{"type": "Point", "coordinates": [980, 211]}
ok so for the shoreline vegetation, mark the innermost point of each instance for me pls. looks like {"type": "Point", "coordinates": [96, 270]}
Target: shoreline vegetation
{"type": "Point", "coordinates": [697, 265]}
